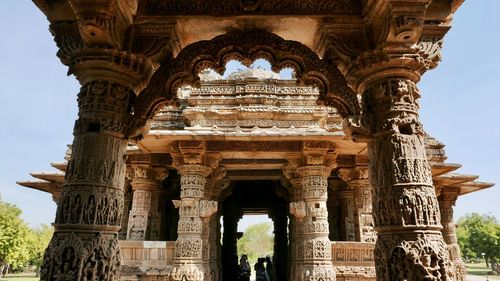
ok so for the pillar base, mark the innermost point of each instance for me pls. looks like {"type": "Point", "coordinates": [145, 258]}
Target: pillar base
{"type": "Point", "coordinates": [412, 256]}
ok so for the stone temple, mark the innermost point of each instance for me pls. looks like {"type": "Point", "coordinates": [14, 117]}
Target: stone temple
{"type": "Point", "coordinates": [336, 156]}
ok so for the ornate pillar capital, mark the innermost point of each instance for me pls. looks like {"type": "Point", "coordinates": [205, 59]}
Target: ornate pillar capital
{"type": "Point", "coordinates": [194, 169]}
{"type": "Point", "coordinates": [449, 195]}
{"type": "Point", "coordinates": [310, 171]}
{"type": "Point", "coordinates": [355, 177]}
{"type": "Point", "coordinates": [213, 187]}
{"type": "Point", "coordinates": [148, 172]}
{"type": "Point", "coordinates": [194, 152]}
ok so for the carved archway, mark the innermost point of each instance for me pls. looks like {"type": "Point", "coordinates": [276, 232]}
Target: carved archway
{"type": "Point", "coordinates": [246, 46]}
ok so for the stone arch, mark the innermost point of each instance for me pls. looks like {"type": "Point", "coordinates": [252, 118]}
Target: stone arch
{"type": "Point", "coordinates": [246, 46]}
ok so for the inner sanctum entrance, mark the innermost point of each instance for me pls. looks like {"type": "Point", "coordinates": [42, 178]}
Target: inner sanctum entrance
{"type": "Point", "coordinates": [255, 197]}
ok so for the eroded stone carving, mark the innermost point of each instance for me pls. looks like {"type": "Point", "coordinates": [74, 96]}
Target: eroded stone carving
{"type": "Point", "coordinates": [404, 196]}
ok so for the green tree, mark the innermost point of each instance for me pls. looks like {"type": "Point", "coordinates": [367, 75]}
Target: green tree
{"type": "Point", "coordinates": [13, 237]}
{"type": "Point", "coordinates": [479, 234]}
{"type": "Point", "coordinates": [39, 239]}
{"type": "Point", "coordinates": [257, 241]}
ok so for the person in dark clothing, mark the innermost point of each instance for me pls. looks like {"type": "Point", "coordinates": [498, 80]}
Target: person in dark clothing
{"type": "Point", "coordinates": [271, 272]}
{"type": "Point", "coordinates": [244, 270]}
{"type": "Point", "coordinates": [260, 270]}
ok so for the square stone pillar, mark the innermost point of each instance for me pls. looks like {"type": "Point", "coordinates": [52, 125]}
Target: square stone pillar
{"type": "Point", "coordinates": [357, 180]}
{"type": "Point", "coordinates": [447, 199]}
{"type": "Point", "coordinates": [297, 212]}
{"type": "Point", "coordinates": [143, 221]}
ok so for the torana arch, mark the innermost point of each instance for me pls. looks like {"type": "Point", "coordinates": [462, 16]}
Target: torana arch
{"type": "Point", "coordinates": [246, 46]}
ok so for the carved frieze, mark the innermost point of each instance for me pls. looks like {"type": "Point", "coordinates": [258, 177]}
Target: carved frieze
{"type": "Point", "coordinates": [282, 146]}
{"type": "Point", "coordinates": [238, 7]}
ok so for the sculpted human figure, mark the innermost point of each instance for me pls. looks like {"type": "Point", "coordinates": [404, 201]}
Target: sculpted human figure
{"type": "Point", "coordinates": [426, 271]}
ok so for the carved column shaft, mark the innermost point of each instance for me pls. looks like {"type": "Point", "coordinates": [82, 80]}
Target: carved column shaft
{"type": "Point", "coordinates": [363, 210]}
{"type": "Point", "coordinates": [142, 224]}
{"type": "Point", "coordinates": [447, 200]}
{"type": "Point", "coordinates": [405, 208]}
{"type": "Point", "coordinates": [317, 250]}
{"type": "Point", "coordinates": [347, 225]}
{"type": "Point", "coordinates": [211, 227]}
{"type": "Point", "coordinates": [297, 211]}
{"type": "Point", "coordinates": [89, 216]}
{"type": "Point", "coordinates": [190, 248]}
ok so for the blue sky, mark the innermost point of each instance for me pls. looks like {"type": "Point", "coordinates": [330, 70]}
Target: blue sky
{"type": "Point", "coordinates": [460, 102]}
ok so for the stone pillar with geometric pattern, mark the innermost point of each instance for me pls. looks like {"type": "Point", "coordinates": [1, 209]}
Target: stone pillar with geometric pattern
{"type": "Point", "coordinates": [316, 246]}
{"type": "Point", "coordinates": [192, 246]}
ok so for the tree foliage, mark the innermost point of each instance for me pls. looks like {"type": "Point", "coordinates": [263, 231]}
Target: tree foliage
{"type": "Point", "coordinates": [20, 245]}
{"type": "Point", "coordinates": [257, 241]}
{"type": "Point", "coordinates": [13, 236]}
{"type": "Point", "coordinates": [40, 238]}
{"type": "Point", "coordinates": [479, 234]}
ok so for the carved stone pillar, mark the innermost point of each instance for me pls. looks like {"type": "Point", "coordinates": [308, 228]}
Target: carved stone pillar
{"type": "Point", "coordinates": [190, 248]}
{"type": "Point", "coordinates": [211, 226]}
{"type": "Point", "coordinates": [127, 203]}
{"type": "Point", "coordinates": [316, 247]}
{"type": "Point", "coordinates": [363, 210]}
{"type": "Point", "coordinates": [298, 212]}
{"type": "Point", "coordinates": [347, 224]}
{"type": "Point", "coordinates": [357, 180]}
{"type": "Point", "coordinates": [406, 213]}
{"type": "Point", "coordinates": [143, 218]}
{"type": "Point", "coordinates": [88, 218]}
{"type": "Point", "coordinates": [447, 200]}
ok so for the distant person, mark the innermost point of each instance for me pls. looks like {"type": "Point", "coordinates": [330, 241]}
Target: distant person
{"type": "Point", "coordinates": [244, 269]}
{"type": "Point", "coordinates": [260, 270]}
{"type": "Point", "coordinates": [271, 272]}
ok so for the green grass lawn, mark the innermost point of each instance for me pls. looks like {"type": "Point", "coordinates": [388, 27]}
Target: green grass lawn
{"type": "Point", "coordinates": [480, 269]}
{"type": "Point", "coordinates": [21, 277]}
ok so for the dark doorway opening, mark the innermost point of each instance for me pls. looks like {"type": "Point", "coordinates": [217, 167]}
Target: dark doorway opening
{"type": "Point", "coordinates": [255, 197]}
